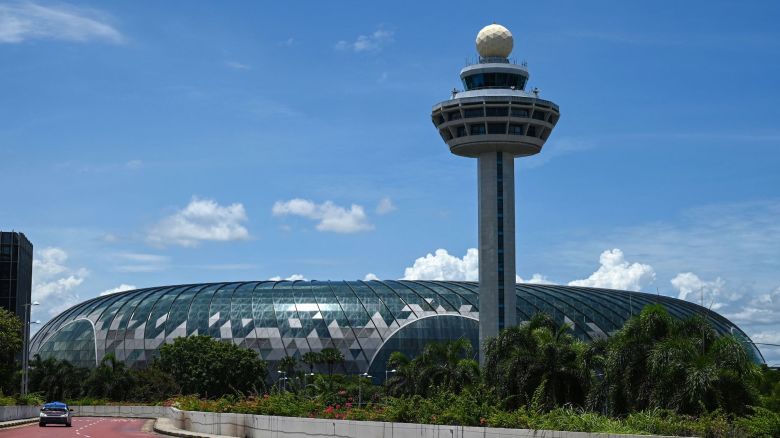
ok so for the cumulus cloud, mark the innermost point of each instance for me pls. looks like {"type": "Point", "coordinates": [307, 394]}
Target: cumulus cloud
{"type": "Point", "coordinates": [28, 21]}
{"type": "Point", "coordinates": [294, 277]}
{"type": "Point", "coordinates": [385, 206]}
{"type": "Point", "coordinates": [535, 279]}
{"type": "Point", "coordinates": [692, 288]}
{"type": "Point", "coordinates": [442, 266]}
{"type": "Point", "coordinates": [373, 42]}
{"type": "Point", "coordinates": [121, 288]}
{"type": "Point", "coordinates": [617, 273]}
{"type": "Point", "coordinates": [201, 219]}
{"type": "Point", "coordinates": [370, 276]}
{"type": "Point", "coordinates": [53, 281]}
{"type": "Point", "coordinates": [329, 216]}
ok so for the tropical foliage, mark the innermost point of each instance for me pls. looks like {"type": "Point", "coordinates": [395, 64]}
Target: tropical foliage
{"type": "Point", "coordinates": [203, 365]}
{"type": "Point", "coordinates": [658, 362]}
{"type": "Point", "coordinates": [656, 375]}
{"type": "Point", "coordinates": [446, 366]}
{"type": "Point", "coordinates": [539, 365]}
{"type": "Point", "coordinates": [10, 345]}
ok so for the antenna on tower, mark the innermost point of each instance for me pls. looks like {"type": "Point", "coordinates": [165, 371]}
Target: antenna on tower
{"type": "Point", "coordinates": [535, 91]}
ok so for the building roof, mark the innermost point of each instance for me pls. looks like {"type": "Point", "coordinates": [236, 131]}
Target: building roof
{"type": "Point", "coordinates": [365, 320]}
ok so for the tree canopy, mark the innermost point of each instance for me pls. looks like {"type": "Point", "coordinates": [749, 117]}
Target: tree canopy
{"type": "Point", "coordinates": [657, 361]}
{"type": "Point", "coordinates": [205, 366]}
{"type": "Point", "coordinates": [10, 345]}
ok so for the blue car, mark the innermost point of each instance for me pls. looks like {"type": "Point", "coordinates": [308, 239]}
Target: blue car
{"type": "Point", "coordinates": [55, 413]}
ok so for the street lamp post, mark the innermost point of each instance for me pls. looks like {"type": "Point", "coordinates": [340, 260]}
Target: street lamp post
{"type": "Point", "coordinates": [306, 380]}
{"type": "Point", "coordinates": [389, 372]}
{"type": "Point", "coordinates": [283, 379]}
{"type": "Point", "coordinates": [360, 387]}
{"type": "Point", "coordinates": [26, 344]}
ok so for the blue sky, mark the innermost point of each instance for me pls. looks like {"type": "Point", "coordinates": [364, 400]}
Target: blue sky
{"type": "Point", "coordinates": [149, 143]}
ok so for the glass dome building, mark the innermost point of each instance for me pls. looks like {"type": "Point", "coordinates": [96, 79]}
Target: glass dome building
{"type": "Point", "coordinates": [365, 320]}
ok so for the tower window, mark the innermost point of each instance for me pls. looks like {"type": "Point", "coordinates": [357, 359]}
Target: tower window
{"type": "Point", "coordinates": [531, 131]}
{"type": "Point", "coordinates": [539, 115]}
{"type": "Point", "coordinates": [439, 119]}
{"type": "Point", "coordinates": [477, 129]}
{"type": "Point", "coordinates": [496, 128]}
{"type": "Point", "coordinates": [519, 112]}
{"type": "Point", "coordinates": [496, 111]}
{"type": "Point", "coordinates": [460, 131]}
{"type": "Point", "coordinates": [445, 134]}
{"type": "Point", "coordinates": [516, 129]}
{"type": "Point", "coordinates": [455, 115]}
{"type": "Point", "coordinates": [474, 112]}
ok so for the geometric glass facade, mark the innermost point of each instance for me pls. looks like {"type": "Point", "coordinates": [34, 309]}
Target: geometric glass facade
{"type": "Point", "coordinates": [365, 320]}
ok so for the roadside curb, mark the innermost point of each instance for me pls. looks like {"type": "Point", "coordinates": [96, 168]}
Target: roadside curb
{"type": "Point", "coordinates": [13, 423]}
{"type": "Point", "coordinates": [165, 426]}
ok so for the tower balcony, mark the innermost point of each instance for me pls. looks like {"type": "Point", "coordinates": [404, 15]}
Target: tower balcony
{"type": "Point", "coordinates": [518, 124]}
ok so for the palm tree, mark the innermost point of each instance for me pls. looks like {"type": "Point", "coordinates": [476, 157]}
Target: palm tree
{"type": "Point", "coordinates": [57, 379]}
{"type": "Point", "coordinates": [539, 364]}
{"type": "Point", "coordinates": [403, 381]}
{"type": "Point", "coordinates": [287, 365]}
{"type": "Point", "coordinates": [446, 365]}
{"type": "Point", "coordinates": [656, 361]}
{"type": "Point", "coordinates": [311, 358]}
{"type": "Point", "coordinates": [441, 366]}
{"type": "Point", "coordinates": [331, 357]}
{"type": "Point", "coordinates": [111, 379]}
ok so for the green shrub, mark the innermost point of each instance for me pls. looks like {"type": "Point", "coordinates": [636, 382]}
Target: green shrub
{"type": "Point", "coordinates": [31, 399]}
{"type": "Point", "coordinates": [762, 424]}
{"type": "Point", "coordinates": [7, 400]}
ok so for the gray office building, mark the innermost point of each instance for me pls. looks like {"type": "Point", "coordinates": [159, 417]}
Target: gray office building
{"type": "Point", "coordinates": [16, 259]}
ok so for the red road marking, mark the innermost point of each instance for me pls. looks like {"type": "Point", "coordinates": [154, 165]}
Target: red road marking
{"type": "Point", "coordinates": [83, 427]}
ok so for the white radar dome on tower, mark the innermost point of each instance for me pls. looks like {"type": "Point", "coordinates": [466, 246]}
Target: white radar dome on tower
{"type": "Point", "coordinates": [494, 41]}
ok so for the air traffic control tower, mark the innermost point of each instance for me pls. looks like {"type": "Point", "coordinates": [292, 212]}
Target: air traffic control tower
{"type": "Point", "coordinates": [495, 120]}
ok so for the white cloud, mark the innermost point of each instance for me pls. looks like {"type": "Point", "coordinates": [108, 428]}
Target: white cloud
{"type": "Point", "coordinates": [237, 65]}
{"type": "Point", "coordinates": [294, 277]}
{"type": "Point", "coordinates": [201, 219]}
{"type": "Point", "coordinates": [443, 266]}
{"type": "Point", "coordinates": [385, 206]}
{"type": "Point", "coordinates": [27, 21]}
{"type": "Point", "coordinates": [139, 262]}
{"type": "Point", "coordinates": [367, 43]}
{"type": "Point", "coordinates": [535, 279]}
{"type": "Point", "coordinates": [617, 273]}
{"type": "Point", "coordinates": [761, 310]}
{"type": "Point", "coordinates": [692, 288]}
{"type": "Point", "coordinates": [53, 281]}
{"type": "Point", "coordinates": [330, 217]}
{"type": "Point", "coordinates": [134, 164]}
{"type": "Point", "coordinates": [121, 288]}
{"type": "Point", "coordinates": [370, 276]}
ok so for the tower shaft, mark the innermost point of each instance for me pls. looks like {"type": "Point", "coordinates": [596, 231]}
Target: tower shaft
{"type": "Point", "coordinates": [497, 297]}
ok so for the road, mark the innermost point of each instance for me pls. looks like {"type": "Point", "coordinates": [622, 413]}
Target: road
{"type": "Point", "coordinates": [86, 427]}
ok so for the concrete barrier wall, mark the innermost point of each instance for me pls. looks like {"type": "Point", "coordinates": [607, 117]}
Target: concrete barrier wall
{"type": "Point", "coordinates": [121, 411]}
{"type": "Point", "coordinates": [9, 413]}
{"type": "Point", "coordinates": [262, 426]}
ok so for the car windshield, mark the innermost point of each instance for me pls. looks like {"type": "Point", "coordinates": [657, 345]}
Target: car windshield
{"type": "Point", "coordinates": [57, 409]}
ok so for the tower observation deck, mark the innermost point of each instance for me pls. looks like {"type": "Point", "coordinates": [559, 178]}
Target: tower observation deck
{"type": "Point", "coordinates": [495, 120]}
